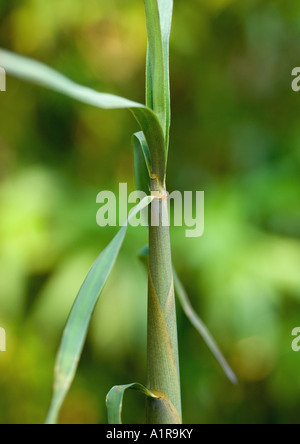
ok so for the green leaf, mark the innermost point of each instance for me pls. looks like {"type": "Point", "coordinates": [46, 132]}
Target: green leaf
{"type": "Point", "coordinates": [141, 161]}
{"type": "Point", "coordinates": [165, 9]}
{"type": "Point", "coordinates": [202, 329]}
{"type": "Point", "coordinates": [114, 400]}
{"type": "Point", "coordinates": [166, 12]}
{"type": "Point", "coordinates": [36, 72]}
{"type": "Point", "coordinates": [77, 325]}
{"type": "Point", "coordinates": [156, 58]}
{"type": "Point", "coordinates": [149, 93]}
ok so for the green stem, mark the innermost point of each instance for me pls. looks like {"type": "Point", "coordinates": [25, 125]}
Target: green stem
{"type": "Point", "coordinates": [163, 362]}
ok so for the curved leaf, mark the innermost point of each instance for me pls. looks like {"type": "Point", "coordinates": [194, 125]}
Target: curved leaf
{"type": "Point", "coordinates": [114, 400]}
{"type": "Point", "coordinates": [36, 72]}
{"type": "Point", "coordinates": [77, 325]}
{"type": "Point", "coordinates": [202, 329]}
{"type": "Point", "coordinates": [163, 407]}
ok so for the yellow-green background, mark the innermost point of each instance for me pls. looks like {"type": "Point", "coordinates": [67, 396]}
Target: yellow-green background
{"type": "Point", "coordinates": [235, 135]}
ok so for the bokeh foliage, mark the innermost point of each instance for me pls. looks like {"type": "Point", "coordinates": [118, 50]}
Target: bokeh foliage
{"type": "Point", "coordinates": [235, 135]}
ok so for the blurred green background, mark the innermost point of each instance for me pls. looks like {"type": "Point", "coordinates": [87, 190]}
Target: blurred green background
{"type": "Point", "coordinates": [235, 135]}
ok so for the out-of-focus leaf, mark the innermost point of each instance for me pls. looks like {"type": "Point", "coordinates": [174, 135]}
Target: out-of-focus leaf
{"type": "Point", "coordinates": [201, 328]}
{"type": "Point", "coordinates": [165, 13]}
{"type": "Point", "coordinates": [33, 71]}
{"type": "Point", "coordinates": [77, 325]}
{"type": "Point", "coordinates": [195, 319]}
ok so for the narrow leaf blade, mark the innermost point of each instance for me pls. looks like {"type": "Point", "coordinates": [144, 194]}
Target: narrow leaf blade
{"type": "Point", "coordinates": [166, 13]}
{"type": "Point", "coordinates": [77, 325]}
{"type": "Point", "coordinates": [202, 329]}
{"type": "Point", "coordinates": [36, 72]}
{"type": "Point", "coordinates": [165, 9]}
{"type": "Point", "coordinates": [156, 59]}
{"type": "Point", "coordinates": [149, 92]}
{"type": "Point", "coordinates": [141, 162]}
